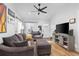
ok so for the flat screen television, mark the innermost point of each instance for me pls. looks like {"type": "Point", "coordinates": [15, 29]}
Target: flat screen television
{"type": "Point", "coordinates": [63, 28]}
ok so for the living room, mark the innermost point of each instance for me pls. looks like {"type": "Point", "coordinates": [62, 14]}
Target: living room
{"type": "Point", "coordinates": [39, 26]}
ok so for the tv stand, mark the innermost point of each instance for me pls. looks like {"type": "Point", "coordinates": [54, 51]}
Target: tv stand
{"type": "Point", "coordinates": [65, 40]}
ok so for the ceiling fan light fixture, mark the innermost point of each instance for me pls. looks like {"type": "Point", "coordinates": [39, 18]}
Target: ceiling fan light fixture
{"type": "Point", "coordinates": [40, 10]}
{"type": "Point", "coordinates": [39, 4]}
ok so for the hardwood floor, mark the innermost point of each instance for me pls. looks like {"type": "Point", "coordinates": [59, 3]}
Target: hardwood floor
{"type": "Point", "coordinates": [57, 50]}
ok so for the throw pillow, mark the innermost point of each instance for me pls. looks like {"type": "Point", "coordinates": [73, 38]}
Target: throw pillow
{"type": "Point", "coordinates": [20, 37]}
{"type": "Point", "coordinates": [8, 41]}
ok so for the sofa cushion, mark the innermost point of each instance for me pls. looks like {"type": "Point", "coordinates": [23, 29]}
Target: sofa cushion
{"type": "Point", "coordinates": [10, 40]}
{"type": "Point", "coordinates": [43, 47]}
{"type": "Point", "coordinates": [21, 43]}
{"type": "Point", "coordinates": [41, 42]}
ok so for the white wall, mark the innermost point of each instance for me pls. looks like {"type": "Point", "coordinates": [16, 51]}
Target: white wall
{"type": "Point", "coordinates": [19, 26]}
{"type": "Point", "coordinates": [62, 16]}
{"type": "Point", "coordinates": [77, 32]}
{"type": "Point", "coordinates": [45, 27]}
{"type": "Point", "coordinates": [11, 27]}
{"type": "Point", "coordinates": [30, 26]}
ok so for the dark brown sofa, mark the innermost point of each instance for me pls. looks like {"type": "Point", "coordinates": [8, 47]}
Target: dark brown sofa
{"type": "Point", "coordinates": [9, 49]}
{"type": "Point", "coordinates": [16, 51]}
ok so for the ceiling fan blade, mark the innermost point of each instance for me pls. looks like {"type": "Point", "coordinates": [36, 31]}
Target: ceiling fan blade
{"type": "Point", "coordinates": [35, 7]}
{"type": "Point", "coordinates": [43, 11]}
{"type": "Point", "coordinates": [34, 11]}
{"type": "Point", "coordinates": [43, 8]}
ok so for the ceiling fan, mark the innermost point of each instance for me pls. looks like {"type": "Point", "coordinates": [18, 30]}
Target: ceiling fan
{"type": "Point", "coordinates": [40, 9]}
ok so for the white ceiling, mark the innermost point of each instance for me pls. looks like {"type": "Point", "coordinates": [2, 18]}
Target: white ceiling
{"type": "Point", "coordinates": [24, 10]}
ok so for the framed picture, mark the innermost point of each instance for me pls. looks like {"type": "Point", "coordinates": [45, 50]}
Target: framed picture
{"type": "Point", "coordinates": [11, 13]}
{"type": "Point", "coordinates": [72, 20]}
{"type": "Point", "coordinates": [2, 18]}
{"type": "Point", "coordinates": [11, 16]}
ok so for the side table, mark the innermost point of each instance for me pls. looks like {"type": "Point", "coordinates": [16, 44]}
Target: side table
{"type": "Point", "coordinates": [35, 48]}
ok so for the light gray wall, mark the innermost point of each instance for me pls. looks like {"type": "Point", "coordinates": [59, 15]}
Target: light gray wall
{"type": "Point", "coordinates": [62, 16]}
